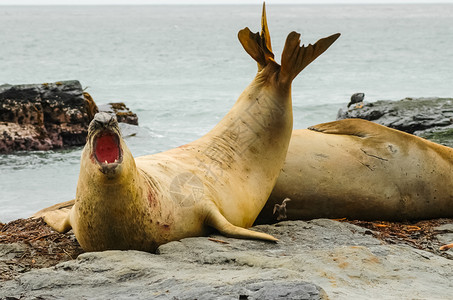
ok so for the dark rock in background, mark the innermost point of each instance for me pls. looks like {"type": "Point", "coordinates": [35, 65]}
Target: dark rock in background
{"type": "Point", "coordinates": [49, 116]}
{"type": "Point", "coordinates": [440, 135]}
{"type": "Point", "coordinates": [44, 116]}
{"type": "Point", "coordinates": [431, 118]}
{"type": "Point", "coordinates": [122, 112]}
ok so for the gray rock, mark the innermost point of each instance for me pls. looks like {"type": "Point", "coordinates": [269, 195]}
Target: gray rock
{"type": "Point", "coordinates": [431, 118]}
{"type": "Point", "coordinates": [444, 234]}
{"type": "Point", "coordinates": [313, 260]}
{"type": "Point", "coordinates": [8, 264]}
{"type": "Point", "coordinates": [122, 112]}
{"type": "Point", "coordinates": [444, 228]}
{"type": "Point", "coordinates": [10, 251]}
{"type": "Point", "coordinates": [445, 238]}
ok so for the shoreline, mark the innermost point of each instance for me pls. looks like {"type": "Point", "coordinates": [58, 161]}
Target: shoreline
{"type": "Point", "coordinates": [28, 244]}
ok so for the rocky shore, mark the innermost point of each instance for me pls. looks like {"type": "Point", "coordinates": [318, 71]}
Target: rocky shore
{"type": "Point", "coordinates": [318, 259]}
{"type": "Point", "coordinates": [49, 116]}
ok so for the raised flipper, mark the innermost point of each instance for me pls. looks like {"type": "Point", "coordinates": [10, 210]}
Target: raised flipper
{"type": "Point", "coordinates": [216, 220]}
{"type": "Point", "coordinates": [57, 216]}
{"type": "Point", "coordinates": [356, 127]}
{"type": "Point", "coordinates": [258, 46]}
{"type": "Point", "coordinates": [295, 58]}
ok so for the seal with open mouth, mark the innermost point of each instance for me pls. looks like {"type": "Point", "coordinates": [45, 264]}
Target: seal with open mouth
{"type": "Point", "coordinates": [221, 180]}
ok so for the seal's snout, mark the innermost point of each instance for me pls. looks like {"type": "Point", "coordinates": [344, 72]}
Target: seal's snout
{"type": "Point", "coordinates": [105, 140]}
{"type": "Point", "coordinates": [103, 119]}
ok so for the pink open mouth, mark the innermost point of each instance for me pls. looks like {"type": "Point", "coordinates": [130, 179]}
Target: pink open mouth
{"type": "Point", "coordinates": [107, 148]}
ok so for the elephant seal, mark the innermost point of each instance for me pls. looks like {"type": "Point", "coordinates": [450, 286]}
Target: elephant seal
{"type": "Point", "coordinates": [221, 180]}
{"type": "Point", "coordinates": [361, 170]}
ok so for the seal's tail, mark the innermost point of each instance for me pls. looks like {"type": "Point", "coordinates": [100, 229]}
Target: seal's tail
{"type": "Point", "coordinates": [294, 57]}
{"type": "Point", "coordinates": [258, 46]}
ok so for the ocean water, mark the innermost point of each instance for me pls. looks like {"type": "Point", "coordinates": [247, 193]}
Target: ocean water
{"type": "Point", "coordinates": [181, 68]}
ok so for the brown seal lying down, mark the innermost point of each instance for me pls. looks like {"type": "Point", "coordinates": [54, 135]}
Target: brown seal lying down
{"type": "Point", "coordinates": [361, 170]}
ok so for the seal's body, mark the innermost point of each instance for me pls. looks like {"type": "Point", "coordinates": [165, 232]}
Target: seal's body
{"type": "Point", "coordinates": [220, 181]}
{"type": "Point", "coordinates": [361, 170]}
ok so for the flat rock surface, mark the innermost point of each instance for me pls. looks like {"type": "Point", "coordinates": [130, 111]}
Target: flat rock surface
{"type": "Point", "coordinates": [313, 260]}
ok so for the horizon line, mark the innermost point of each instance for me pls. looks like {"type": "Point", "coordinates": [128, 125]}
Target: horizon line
{"type": "Point", "coordinates": [209, 3]}
{"type": "Point", "coordinates": [220, 4]}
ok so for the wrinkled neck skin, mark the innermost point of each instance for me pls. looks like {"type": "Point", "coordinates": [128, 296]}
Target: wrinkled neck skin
{"type": "Point", "coordinates": [269, 79]}
{"type": "Point", "coordinates": [116, 203]}
{"type": "Point", "coordinates": [264, 108]}
{"type": "Point", "coordinates": [251, 139]}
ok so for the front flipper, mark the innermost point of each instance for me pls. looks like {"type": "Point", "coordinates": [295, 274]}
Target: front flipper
{"type": "Point", "coordinates": [357, 127]}
{"type": "Point", "coordinates": [57, 216]}
{"type": "Point", "coordinates": [59, 219]}
{"type": "Point", "coordinates": [216, 220]}
{"type": "Point", "coordinates": [58, 206]}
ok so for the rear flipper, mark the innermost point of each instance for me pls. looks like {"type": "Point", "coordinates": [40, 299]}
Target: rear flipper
{"type": "Point", "coordinates": [258, 46]}
{"type": "Point", "coordinates": [294, 57]}
{"type": "Point", "coordinates": [216, 220]}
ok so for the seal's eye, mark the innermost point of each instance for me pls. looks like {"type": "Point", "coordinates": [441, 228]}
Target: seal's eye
{"type": "Point", "coordinates": [107, 148]}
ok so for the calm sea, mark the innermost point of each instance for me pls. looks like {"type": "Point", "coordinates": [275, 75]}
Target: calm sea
{"type": "Point", "coordinates": [181, 68]}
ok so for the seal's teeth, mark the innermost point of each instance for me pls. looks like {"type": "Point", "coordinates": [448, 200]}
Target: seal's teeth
{"type": "Point", "coordinates": [115, 161]}
{"type": "Point", "coordinates": [106, 162]}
